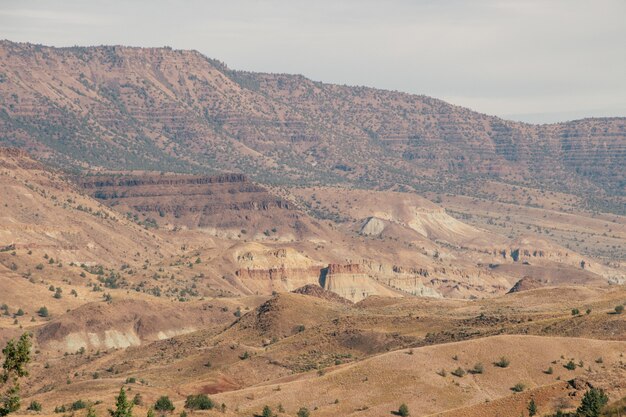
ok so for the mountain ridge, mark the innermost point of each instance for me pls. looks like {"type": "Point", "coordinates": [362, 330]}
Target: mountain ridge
{"type": "Point", "coordinates": [161, 109]}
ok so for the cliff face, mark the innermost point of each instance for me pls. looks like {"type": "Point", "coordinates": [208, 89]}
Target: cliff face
{"type": "Point", "coordinates": [226, 203]}
{"type": "Point", "coordinates": [159, 109]}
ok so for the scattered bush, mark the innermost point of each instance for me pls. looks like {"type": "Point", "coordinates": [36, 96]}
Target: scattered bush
{"type": "Point", "coordinates": [503, 362]}
{"type": "Point", "coordinates": [164, 404]}
{"type": "Point", "coordinates": [267, 412]}
{"type": "Point", "coordinates": [519, 387]}
{"type": "Point", "coordinates": [34, 406]}
{"type": "Point", "coordinates": [575, 311]}
{"type": "Point", "coordinates": [303, 412]}
{"type": "Point", "coordinates": [532, 408]}
{"type": "Point", "coordinates": [199, 402]}
{"type": "Point", "coordinates": [570, 366]}
{"type": "Point", "coordinates": [403, 410]}
{"type": "Point", "coordinates": [477, 369]}
{"type": "Point", "coordinates": [458, 372]}
{"type": "Point", "coordinates": [619, 309]}
{"type": "Point", "coordinates": [78, 405]}
{"type": "Point", "coordinates": [43, 312]}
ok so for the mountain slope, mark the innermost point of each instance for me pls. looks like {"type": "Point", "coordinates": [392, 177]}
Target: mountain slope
{"type": "Point", "coordinates": [161, 109]}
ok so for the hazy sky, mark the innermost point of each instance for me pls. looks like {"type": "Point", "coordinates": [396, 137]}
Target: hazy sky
{"type": "Point", "coordinates": [532, 60]}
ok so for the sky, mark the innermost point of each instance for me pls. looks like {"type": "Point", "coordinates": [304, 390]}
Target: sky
{"type": "Point", "coordinates": [538, 61]}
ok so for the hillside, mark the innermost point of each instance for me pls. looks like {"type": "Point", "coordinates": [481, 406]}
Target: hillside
{"type": "Point", "coordinates": [126, 108]}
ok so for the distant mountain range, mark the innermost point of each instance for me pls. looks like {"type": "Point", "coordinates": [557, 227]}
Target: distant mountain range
{"type": "Point", "coordinates": [118, 108]}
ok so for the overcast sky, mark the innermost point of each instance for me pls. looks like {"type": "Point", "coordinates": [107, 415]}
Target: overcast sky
{"type": "Point", "coordinates": [531, 60]}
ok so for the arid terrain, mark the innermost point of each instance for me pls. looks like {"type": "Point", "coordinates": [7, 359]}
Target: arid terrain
{"type": "Point", "coordinates": [175, 227]}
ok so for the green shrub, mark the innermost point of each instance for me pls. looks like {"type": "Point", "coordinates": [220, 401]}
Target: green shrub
{"type": "Point", "coordinates": [619, 309]}
{"type": "Point", "coordinates": [78, 405]}
{"type": "Point", "coordinates": [519, 387]}
{"type": "Point", "coordinates": [43, 312]}
{"type": "Point", "coordinates": [570, 365]}
{"type": "Point", "coordinates": [34, 406]}
{"type": "Point", "coordinates": [164, 404]}
{"type": "Point", "coordinates": [303, 412]}
{"type": "Point", "coordinates": [199, 402]}
{"type": "Point", "coordinates": [458, 372]}
{"type": "Point", "coordinates": [403, 410]}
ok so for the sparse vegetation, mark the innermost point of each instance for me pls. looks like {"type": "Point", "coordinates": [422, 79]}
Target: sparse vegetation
{"type": "Point", "coordinates": [403, 410]}
{"type": "Point", "coordinates": [34, 406]}
{"type": "Point", "coordinates": [532, 408]}
{"type": "Point", "coordinates": [43, 312]}
{"type": "Point", "coordinates": [519, 387]}
{"type": "Point", "coordinates": [164, 404]}
{"type": "Point", "coordinates": [199, 402]}
{"type": "Point", "coordinates": [503, 362]}
{"type": "Point", "coordinates": [477, 369]}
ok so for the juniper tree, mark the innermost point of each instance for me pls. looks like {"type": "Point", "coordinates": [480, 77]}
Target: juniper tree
{"type": "Point", "coordinates": [123, 407]}
{"type": "Point", "coordinates": [16, 357]}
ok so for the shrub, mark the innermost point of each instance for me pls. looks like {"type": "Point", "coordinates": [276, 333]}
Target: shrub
{"type": "Point", "coordinates": [619, 309]}
{"type": "Point", "coordinates": [458, 372]}
{"type": "Point", "coordinates": [503, 362]}
{"type": "Point", "coordinates": [78, 405]}
{"type": "Point", "coordinates": [519, 387]}
{"type": "Point", "coordinates": [575, 311]}
{"type": "Point", "coordinates": [164, 404]}
{"type": "Point", "coordinates": [244, 356]}
{"type": "Point", "coordinates": [34, 406]}
{"type": "Point", "coordinates": [137, 399]}
{"type": "Point", "coordinates": [43, 312]}
{"type": "Point", "coordinates": [199, 402]}
{"type": "Point", "coordinates": [549, 371]}
{"type": "Point", "coordinates": [303, 412]}
{"type": "Point", "coordinates": [532, 408]}
{"type": "Point", "coordinates": [477, 369]}
{"type": "Point", "coordinates": [570, 365]}
{"type": "Point", "coordinates": [403, 410]}
{"type": "Point", "coordinates": [267, 412]}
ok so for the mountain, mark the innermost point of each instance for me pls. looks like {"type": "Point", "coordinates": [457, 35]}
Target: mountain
{"type": "Point", "coordinates": [122, 108]}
